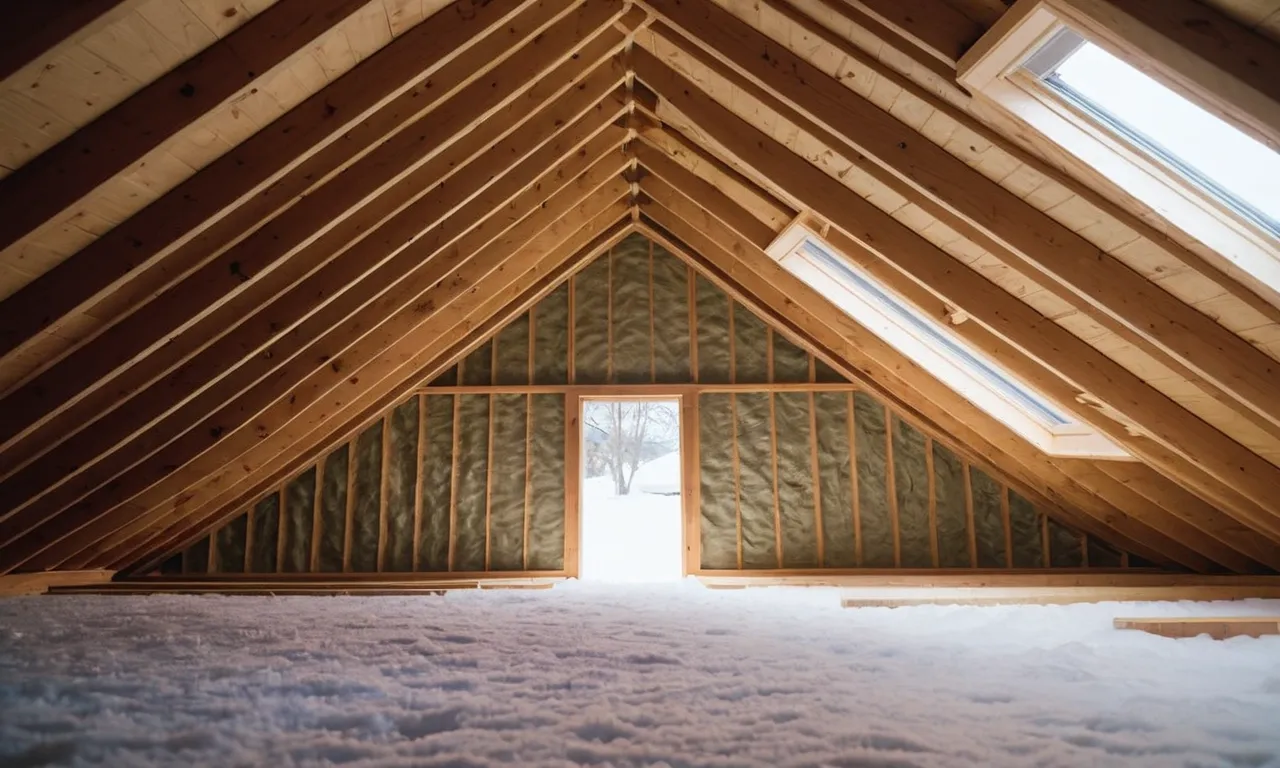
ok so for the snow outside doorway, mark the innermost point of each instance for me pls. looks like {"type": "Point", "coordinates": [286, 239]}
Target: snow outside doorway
{"type": "Point", "coordinates": [631, 512]}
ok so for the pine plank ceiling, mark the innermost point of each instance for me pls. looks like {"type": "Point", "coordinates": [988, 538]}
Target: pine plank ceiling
{"type": "Point", "coordinates": [235, 230]}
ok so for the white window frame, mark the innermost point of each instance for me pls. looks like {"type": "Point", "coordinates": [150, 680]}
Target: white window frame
{"type": "Point", "coordinates": [994, 71]}
{"type": "Point", "coordinates": [938, 350]}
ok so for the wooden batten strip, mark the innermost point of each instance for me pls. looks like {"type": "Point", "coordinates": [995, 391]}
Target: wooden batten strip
{"type": "Point", "coordinates": [691, 468]}
{"type": "Point", "coordinates": [814, 474]}
{"type": "Point", "coordinates": [933, 501]}
{"type": "Point", "coordinates": [573, 483]}
{"type": "Point", "coordinates": [853, 483]}
{"type": "Point", "coordinates": [488, 461]}
{"type": "Point", "coordinates": [248, 538]}
{"type": "Point", "coordinates": [768, 353]}
{"type": "Point", "coordinates": [971, 533]}
{"type": "Point", "coordinates": [351, 505]}
{"type": "Point", "coordinates": [737, 480]}
{"type": "Point", "coordinates": [1008, 526]}
{"type": "Point", "coordinates": [693, 323]}
{"type": "Point", "coordinates": [773, 450]}
{"type": "Point", "coordinates": [573, 326]}
{"type": "Point", "coordinates": [281, 529]}
{"type": "Point", "coordinates": [455, 470]}
{"type": "Point", "coordinates": [419, 481]}
{"type": "Point", "coordinates": [608, 314]}
{"type": "Point", "coordinates": [528, 439]}
{"type": "Point", "coordinates": [1044, 540]}
{"type": "Point", "coordinates": [653, 342]}
{"type": "Point", "coordinates": [212, 565]}
{"type": "Point", "coordinates": [317, 506]}
{"type": "Point", "coordinates": [891, 487]}
{"type": "Point", "coordinates": [384, 487]}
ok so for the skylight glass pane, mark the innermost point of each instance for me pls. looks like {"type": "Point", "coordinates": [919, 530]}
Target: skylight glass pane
{"type": "Point", "coordinates": [929, 332]}
{"type": "Point", "coordinates": [1228, 163]}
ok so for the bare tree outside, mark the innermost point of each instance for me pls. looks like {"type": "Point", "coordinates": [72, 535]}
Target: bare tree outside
{"type": "Point", "coordinates": [622, 435]}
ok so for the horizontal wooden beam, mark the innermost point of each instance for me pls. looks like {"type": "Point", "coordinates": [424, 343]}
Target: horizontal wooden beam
{"type": "Point", "coordinates": [33, 29]}
{"type": "Point", "coordinates": [897, 597]}
{"type": "Point", "coordinates": [1218, 628]}
{"type": "Point", "coordinates": [982, 578]}
{"type": "Point", "coordinates": [637, 390]}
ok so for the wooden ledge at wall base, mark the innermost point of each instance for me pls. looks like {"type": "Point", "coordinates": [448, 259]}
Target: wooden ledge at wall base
{"type": "Point", "coordinates": [42, 581]}
{"type": "Point", "coordinates": [305, 584]}
{"type": "Point", "coordinates": [1219, 627]}
{"type": "Point", "coordinates": [899, 597]}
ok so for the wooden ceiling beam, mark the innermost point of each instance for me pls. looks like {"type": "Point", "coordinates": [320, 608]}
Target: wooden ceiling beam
{"type": "Point", "coordinates": [262, 337]}
{"type": "Point", "coordinates": [1051, 345]}
{"type": "Point", "coordinates": [253, 181]}
{"type": "Point", "coordinates": [208, 302]}
{"type": "Point", "coordinates": [51, 182]}
{"type": "Point", "coordinates": [932, 27]}
{"type": "Point", "coordinates": [252, 420]}
{"type": "Point", "coordinates": [141, 552]}
{"type": "Point", "coordinates": [1026, 239]}
{"type": "Point", "coordinates": [32, 29]}
{"type": "Point", "coordinates": [865, 357]}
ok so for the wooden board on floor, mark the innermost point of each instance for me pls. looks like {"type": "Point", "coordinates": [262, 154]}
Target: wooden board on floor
{"type": "Point", "coordinates": [355, 584]}
{"type": "Point", "coordinates": [1219, 628]}
{"type": "Point", "coordinates": [897, 597]}
{"type": "Point", "coordinates": [43, 581]}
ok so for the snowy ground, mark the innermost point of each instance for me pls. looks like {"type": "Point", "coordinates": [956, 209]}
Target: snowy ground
{"type": "Point", "coordinates": [622, 676]}
{"type": "Point", "coordinates": [634, 538]}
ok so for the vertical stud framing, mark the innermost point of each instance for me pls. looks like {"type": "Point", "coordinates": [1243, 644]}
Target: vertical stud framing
{"type": "Point", "coordinates": [384, 487]}
{"type": "Point", "coordinates": [454, 466]}
{"type": "Point", "coordinates": [420, 456]}
{"type": "Point", "coordinates": [773, 450]}
{"type": "Point", "coordinates": [280, 531]}
{"type": "Point", "coordinates": [1008, 526]}
{"type": "Point", "coordinates": [853, 482]}
{"type": "Point", "coordinates": [572, 483]}
{"type": "Point", "coordinates": [933, 501]}
{"type": "Point", "coordinates": [737, 480]}
{"type": "Point", "coordinates": [816, 479]}
{"type": "Point", "coordinates": [691, 280]}
{"type": "Point", "coordinates": [891, 487]}
{"type": "Point", "coordinates": [691, 482]}
{"type": "Point", "coordinates": [351, 505]}
{"type": "Point", "coordinates": [971, 532]}
{"type": "Point", "coordinates": [248, 538]}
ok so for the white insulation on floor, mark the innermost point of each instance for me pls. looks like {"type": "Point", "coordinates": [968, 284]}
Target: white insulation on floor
{"type": "Point", "coordinates": [623, 676]}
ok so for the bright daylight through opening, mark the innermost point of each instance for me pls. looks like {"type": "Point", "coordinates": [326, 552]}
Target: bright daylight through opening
{"type": "Point", "coordinates": [1221, 160]}
{"type": "Point", "coordinates": [631, 501]}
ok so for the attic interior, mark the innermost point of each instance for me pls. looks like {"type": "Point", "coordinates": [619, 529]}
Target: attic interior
{"type": "Point", "coordinates": [967, 308]}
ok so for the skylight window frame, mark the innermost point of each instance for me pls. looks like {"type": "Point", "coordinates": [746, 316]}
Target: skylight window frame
{"type": "Point", "coordinates": [927, 341]}
{"type": "Point", "coordinates": [996, 71]}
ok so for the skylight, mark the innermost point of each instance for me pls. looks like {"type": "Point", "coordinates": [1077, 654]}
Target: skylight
{"type": "Point", "coordinates": [938, 350]}
{"type": "Point", "coordinates": [1231, 166]}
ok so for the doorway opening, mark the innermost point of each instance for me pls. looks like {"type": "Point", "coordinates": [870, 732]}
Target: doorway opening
{"type": "Point", "coordinates": [631, 491]}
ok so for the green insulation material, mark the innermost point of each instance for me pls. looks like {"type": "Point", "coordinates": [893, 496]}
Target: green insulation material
{"type": "Point", "coordinates": [365, 525]}
{"type": "Point", "coordinates": [750, 347]}
{"type": "Point", "coordinates": [790, 362]}
{"type": "Point", "coordinates": [825, 373]}
{"type": "Point", "coordinates": [333, 511]}
{"type": "Point", "coordinates": [266, 535]}
{"type": "Point", "coordinates": [197, 560]}
{"type": "Point", "coordinates": [755, 481]}
{"type": "Point", "coordinates": [472, 478]}
{"type": "Point", "coordinates": [506, 502]}
{"type": "Point", "coordinates": [713, 332]}
{"type": "Point", "coordinates": [402, 477]}
{"type": "Point", "coordinates": [670, 318]}
{"type": "Point", "coordinates": [719, 516]}
{"type": "Point", "coordinates": [795, 482]}
{"type": "Point", "coordinates": [546, 511]}
{"type": "Point", "coordinates": [873, 489]}
{"type": "Point", "coordinates": [1028, 541]}
{"type": "Point", "coordinates": [477, 367]}
{"type": "Point", "coordinates": [230, 542]}
{"type": "Point", "coordinates": [631, 359]}
{"type": "Point", "coordinates": [911, 486]}
{"type": "Point", "coordinates": [988, 521]}
{"type": "Point", "coordinates": [437, 479]}
{"type": "Point", "coordinates": [1064, 546]}
{"type": "Point", "coordinates": [835, 481]}
{"type": "Point", "coordinates": [299, 519]}
{"type": "Point", "coordinates": [953, 524]}
{"type": "Point", "coordinates": [591, 323]}
{"type": "Point", "coordinates": [550, 319]}
{"type": "Point", "coordinates": [513, 352]}
{"type": "Point", "coordinates": [1103, 555]}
